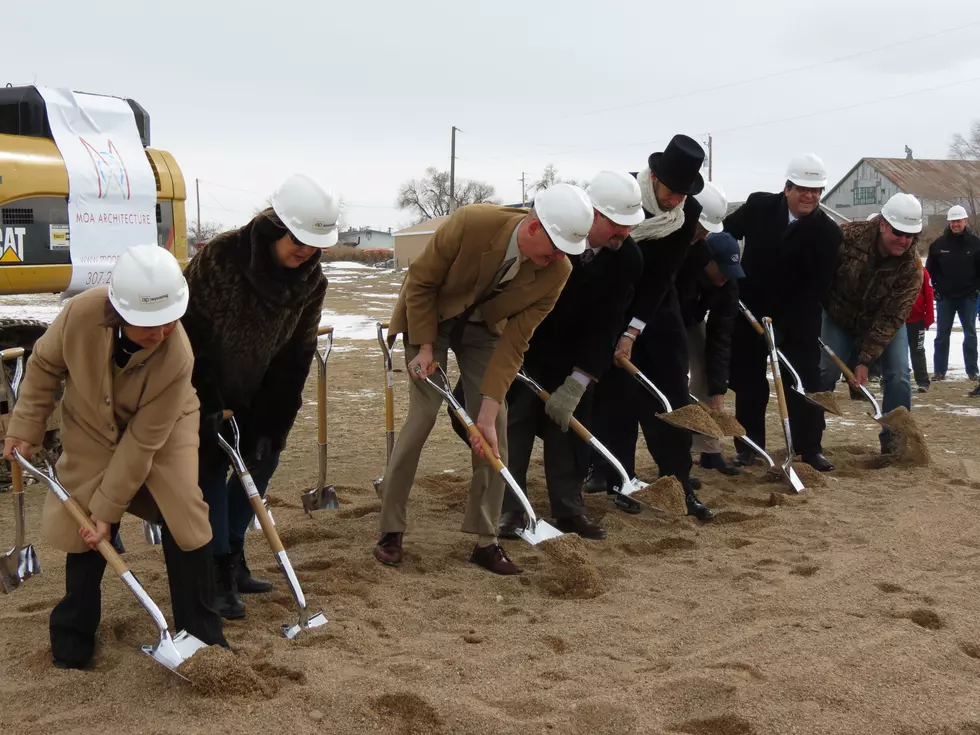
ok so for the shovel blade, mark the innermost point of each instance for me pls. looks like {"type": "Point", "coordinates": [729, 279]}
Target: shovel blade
{"type": "Point", "coordinates": [17, 566]}
{"type": "Point", "coordinates": [377, 486]}
{"type": "Point", "coordinates": [172, 652]}
{"type": "Point", "coordinates": [153, 533]}
{"type": "Point", "coordinates": [535, 533]}
{"type": "Point", "coordinates": [27, 562]}
{"type": "Point", "coordinates": [322, 498]}
{"type": "Point", "coordinates": [794, 480]}
{"type": "Point", "coordinates": [315, 621]}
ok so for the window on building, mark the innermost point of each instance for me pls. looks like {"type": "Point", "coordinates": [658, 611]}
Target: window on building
{"type": "Point", "coordinates": [865, 195]}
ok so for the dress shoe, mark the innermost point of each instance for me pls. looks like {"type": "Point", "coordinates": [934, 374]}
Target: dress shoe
{"type": "Point", "coordinates": [818, 462]}
{"type": "Point", "coordinates": [389, 549]}
{"type": "Point", "coordinates": [492, 557]}
{"type": "Point", "coordinates": [924, 388]}
{"type": "Point", "coordinates": [715, 461]}
{"type": "Point", "coordinates": [938, 376]}
{"type": "Point", "coordinates": [511, 522]}
{"type": "Point", "coordinates": [694, 505]}
{"type": "Point", "coordinates": [745, 458]}
{"type": "Point", "coordinates": [596, 484]}
{"type": "Point", "coordinates": [581, 525]}
{"type": "Point", "coordinates": [975, 393]}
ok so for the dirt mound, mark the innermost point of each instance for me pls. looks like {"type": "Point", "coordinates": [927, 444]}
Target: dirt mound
{"type": "Point", "coordinates": [828, 400]}
{"type": "Point", "coordinates": [667, 493]}
{"type": "Point", "coordinates": [217, 672]}
{"type": "Point", "coordinates": [728, 424]}
{"type": "Point", "coordinates": [695, 418]}
{"type": "Point", "coordinates": [809, 476]}
{"type": "Point", "coordinates": [410, 713]}
{"type": "Point", "coordinates": [907, 445]}
{"type": "Point", "coordinates": [570, 575]}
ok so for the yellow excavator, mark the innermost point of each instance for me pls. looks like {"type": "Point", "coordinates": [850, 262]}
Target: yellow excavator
{"type": "Point", "coordinates": [34, 234]}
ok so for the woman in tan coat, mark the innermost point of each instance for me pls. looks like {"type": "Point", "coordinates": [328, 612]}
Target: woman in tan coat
{"type": "Point", "coordinates": [130, 420]}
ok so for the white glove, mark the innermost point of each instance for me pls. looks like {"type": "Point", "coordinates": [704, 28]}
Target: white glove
{"type": "Point", "coordinates": [564, 401]}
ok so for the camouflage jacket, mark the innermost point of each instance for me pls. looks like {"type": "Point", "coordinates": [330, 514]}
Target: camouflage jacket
{"type": "Point", "coordinates": [871, 295]}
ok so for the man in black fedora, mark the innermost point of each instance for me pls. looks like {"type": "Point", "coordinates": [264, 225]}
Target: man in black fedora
{"type": "Point", "coordinates": [654, 338]}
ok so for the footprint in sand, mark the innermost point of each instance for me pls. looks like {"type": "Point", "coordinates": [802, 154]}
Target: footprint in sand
{"type": "Point", "coordinates": [971, 649]}
{"type": "Point", "coordinates": [38, 605]}
{"type": "Point", "coordinates": [805, 570]}
{"type": "Point", "coordinates": [924, 619]}
{"type": "Point", "coordinates": [410, 711]}
{"type": "Point", "coordinates": [888, 588]}
{"type": "Point", "coordinates": [728, 724]}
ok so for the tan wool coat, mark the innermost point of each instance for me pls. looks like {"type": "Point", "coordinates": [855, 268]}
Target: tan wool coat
{"type": "Point", "coordinates": [456, 267]}
{"type": "Point", "coordinates": [119, 432]}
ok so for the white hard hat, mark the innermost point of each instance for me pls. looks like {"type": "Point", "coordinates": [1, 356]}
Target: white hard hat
{"type": "Point", "coordinates": [617, 196]}
{"type": "Point", "coordinates": [871, 216]}
{"type": "Point", "coordinates": [904, 213]}
{"type": "Point", "coordinates": [147, 287]}
{"type": "Point", "coordinates": [808, 171]}
{"type": "Point", "coordinates": [566, 212]}
{"type": "Point", "coordinates": [714, 207]}
{"type": "Point", "coordinates": [309, 212]}
{"type": "Point", "coordinates": [955, 213]}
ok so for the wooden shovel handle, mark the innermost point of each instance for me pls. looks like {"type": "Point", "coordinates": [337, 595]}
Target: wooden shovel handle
{"type": "Point", "coordinates": [11, 353]}
{"type": "Point", "coordinates": [384, 325]}
{"type": "Point", "coordinates": [846, 371]}
{"type": "Point", "coordinates": [487, 451]}
{"type": "Point", "coordinates": [627, 365]}
{"type": "Point", "coordinates": [105, 547]}
{"type": "Point", "coordinates": [776, 375]}
{"type": "Point", "coordinates": [324, 330]}
{"type": "Point", "coordinates": [269, 530]}
{"type": "Point", "coordinates": [321, 408]}
{"type": "Point", "coordinates": [573, 423]}
{"type": "Point", "coordinates": [226, 414]}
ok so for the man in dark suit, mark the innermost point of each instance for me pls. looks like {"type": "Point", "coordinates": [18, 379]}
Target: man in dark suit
{"type": "Point", "coordinates": [654, 325]}
{"type": "Point", "coordinates": [790, 257]}
{"type": "Point", "coordinates": [570, 352]}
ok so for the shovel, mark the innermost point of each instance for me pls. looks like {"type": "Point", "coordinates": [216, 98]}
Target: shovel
{"type": "Point", "coordinates": [797, 386]}
{"type": "Point", "coordinates": [626, 487]}
{"type": "Point", "coordinates": [20, 562]}
{"type": "Point", "coordinates": [536, 530]}
{"type": "Point", "coordinates": [740, 434]}
{"type": "Point", "coordinates": [788, 472]}
{"type": "Point", "coordinates": [321, 495]}
{"type": "Point", "coordinates": [849, 374]}
{"type": "Point", "coordinates": [169, 651]}
{"type": "Point", "coordinates": [268, 528]}
{"type": "Point", "coordinates": [670, 416]}
{"type": "Point", "coordinates": [389, 400]}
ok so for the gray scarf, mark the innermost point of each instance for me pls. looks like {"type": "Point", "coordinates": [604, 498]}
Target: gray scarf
{"type": "Point", "coordinates": [661, 223]}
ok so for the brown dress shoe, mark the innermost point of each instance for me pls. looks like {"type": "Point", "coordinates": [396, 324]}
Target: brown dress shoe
{"type": "Point", "coordinates": [389, 549]}
{"type": "Point", "coordinates": [582, 525]}
{"type": "Point", "coordinates": [493, 558]}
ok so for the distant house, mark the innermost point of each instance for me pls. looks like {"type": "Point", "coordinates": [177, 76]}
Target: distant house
{"type": "Point", "coordinates": [364, 238]}
{"type": "Point", "coordinates": [410, 241]}
{"type": "Point", "coordinates": [937, 183]}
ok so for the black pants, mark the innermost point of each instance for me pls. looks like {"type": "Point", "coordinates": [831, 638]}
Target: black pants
{"type": "Point", "coordinates": [622, 404]}
{"type": "Point", "coordinates": [566, 456]}
{"type": "Point", "coordinates": [75, 620]}
{"type": "Point", "coordinates": [751, 385]}
{"type": "Point", "coordinates": [917, 349]}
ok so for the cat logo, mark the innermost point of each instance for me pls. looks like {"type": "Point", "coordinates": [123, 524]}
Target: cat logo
{"type": "Point", "coordinates": [12, 241]}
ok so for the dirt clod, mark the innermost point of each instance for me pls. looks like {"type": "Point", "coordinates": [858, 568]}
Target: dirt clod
{"type": "Point", "coordinates": [728, 424]}
{"type": "Point", "coordinates": [828, 400]}
{"type": "Point", "coordinates": [809, 476]}
{"type": "Point", "coordinates": [572, 575]}
{"type": "Point", "coordinates": [906, 444]}
{"type": "Point", "coordinates": [666, 493]}
{"type": "Point", "coordinates": [218, 672]}
{"type": "Point", "coordinates": [695, 418]}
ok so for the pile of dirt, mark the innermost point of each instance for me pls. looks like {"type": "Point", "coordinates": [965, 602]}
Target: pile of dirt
{"type": "Point", "coordinates": [727, 423]}
{"type": "Point", "coordinates": [667, 493]}
{"type": "Point", "coordinates": [694, 418]}
{"type": "Point", "coordinates": [907, 445]}
{"type": "Point", "coordinates": [217, 672]}
{"type": "Point", "coordinates": [571, 575]}
{"type": "Point", "coordinates": [809, 476]}
{"type": "Point", "coordinates": [828, 400]}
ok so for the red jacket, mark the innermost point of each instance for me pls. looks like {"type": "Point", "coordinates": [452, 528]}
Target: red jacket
{"type": "Point", "coordinates": [924, 308]}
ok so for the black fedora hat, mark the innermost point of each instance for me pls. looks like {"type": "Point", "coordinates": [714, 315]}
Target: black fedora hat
{"type": "Point", "coordinates": [678, 166]}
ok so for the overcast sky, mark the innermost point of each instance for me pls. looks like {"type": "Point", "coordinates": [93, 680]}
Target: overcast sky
{"type": "Point", "coordinates": [362, 95]}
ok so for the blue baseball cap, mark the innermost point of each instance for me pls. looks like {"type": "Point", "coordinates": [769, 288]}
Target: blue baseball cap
{"type": "Point", "coordinates": [725, 252]}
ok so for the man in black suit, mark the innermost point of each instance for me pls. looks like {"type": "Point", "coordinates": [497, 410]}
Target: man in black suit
{"type": "Point", "coordinates": [789, 258]}
{"type": "Point", "coordinates": [570, 352]}
{"type": "Point", "coordinates": [655, 339]}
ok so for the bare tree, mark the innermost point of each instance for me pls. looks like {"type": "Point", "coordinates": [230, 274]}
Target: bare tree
{"type": "Point", "coordinates": [429, 198]}
{"type": "Point", "coordinates": [967, 149]}
{"type": "Point", "coordinates": [207, 231]}
{"type": "Point", "coordinates": [550, 177]}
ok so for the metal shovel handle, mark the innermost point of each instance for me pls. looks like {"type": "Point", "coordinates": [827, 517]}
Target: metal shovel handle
{"type": "Point", "coordinates": [849, 375]}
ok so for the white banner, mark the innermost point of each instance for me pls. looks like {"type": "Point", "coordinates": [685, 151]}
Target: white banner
{"type": "Point", "coordinates": [112, 193]}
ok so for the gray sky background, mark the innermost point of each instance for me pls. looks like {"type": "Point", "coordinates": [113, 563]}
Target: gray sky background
{"type": "Point", "coordinates": [362, 95]}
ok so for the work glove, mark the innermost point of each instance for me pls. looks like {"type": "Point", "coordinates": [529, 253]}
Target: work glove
{"type": "Point", "coordinates": [564, 401]}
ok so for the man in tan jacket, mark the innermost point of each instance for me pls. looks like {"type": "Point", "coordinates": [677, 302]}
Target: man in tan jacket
{"type": "Point", "coordinates": [487, 278]}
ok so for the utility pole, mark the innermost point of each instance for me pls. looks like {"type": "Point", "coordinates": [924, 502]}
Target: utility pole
{"type": "Point", "coordinates": [452, 174]}
{"type": "Point", "coordinates": [523, 189]}
{"type": "Point", "coordinates": [711, 157]}
{"type": "Point", "coordinates": [197, 190]}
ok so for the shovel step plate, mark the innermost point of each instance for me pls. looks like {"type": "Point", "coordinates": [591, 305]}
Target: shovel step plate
{"type": "Point", "coordinates": [172, 652]}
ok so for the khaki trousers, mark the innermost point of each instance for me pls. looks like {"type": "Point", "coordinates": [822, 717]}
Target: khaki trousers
{"type": "Point", "coordinates": [473, 350]}
{"type": "Point", "coordinates": [696, 339]}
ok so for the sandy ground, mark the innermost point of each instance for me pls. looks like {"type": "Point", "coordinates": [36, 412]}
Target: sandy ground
{"type": "Point", "coordinates": [850, 609]}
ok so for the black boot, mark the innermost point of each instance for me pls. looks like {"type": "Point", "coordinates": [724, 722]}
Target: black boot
{"type": "Point", "coordinates": [75, 619]}
{"type": "Point", "coordinates": [744, 458]}
{"type": "Point", "coordinates": [244, 581]}
{"type": "Point", "coordinates": [715, 461]}
{"type": "Point", "coordinates": [191, 578]}
{"type": "Point", "coordinates": [694, 505]}
{"type": "Point", "coordinates": [226, 600]}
